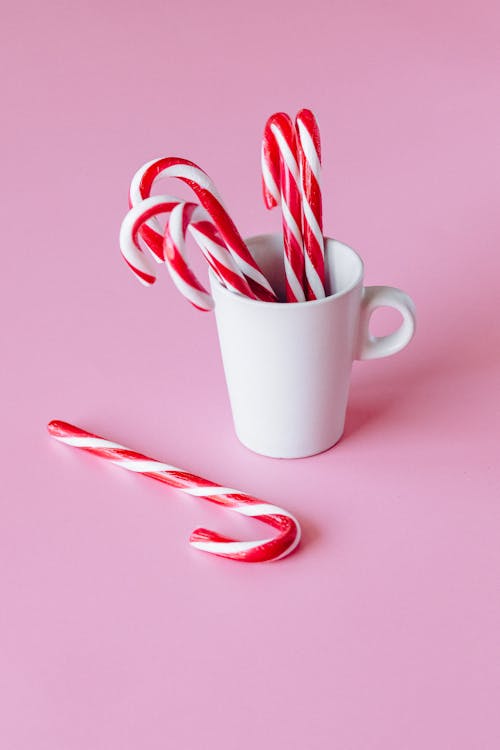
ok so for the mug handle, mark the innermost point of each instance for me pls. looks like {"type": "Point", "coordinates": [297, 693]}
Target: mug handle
{"type": "Point", "coordinates": [373, 347]}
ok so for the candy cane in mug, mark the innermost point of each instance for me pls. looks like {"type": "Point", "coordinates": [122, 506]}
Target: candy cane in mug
{"type": "Point", "coordinates": [262, 550]}
{"type": "Point", "coordinates": [190, 216]}
{"type": "Point", "coordinates": [310, 171]}
{"type": "Point", "coordinates": [281, 186]}
{"type": "Point", "coordinates": [207, 193]}
{"type": "Point", "coordinates": [183, 216]}
{"type": "Point", "coordinates": [129, 245]}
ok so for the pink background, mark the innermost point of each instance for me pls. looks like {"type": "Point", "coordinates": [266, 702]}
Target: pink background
{"type": "Point", "coordinates": [382, 632]}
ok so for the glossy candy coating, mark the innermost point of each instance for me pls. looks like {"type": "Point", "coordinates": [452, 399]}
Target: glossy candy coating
{"type": "Point", "coordinates": [209, 197]}
{"type": "Point", "coordinates": [312, 205]}
{"type": "Point", "coordinates": [262, 550]}
{"type": "Point", "coordinates": [281, 186]}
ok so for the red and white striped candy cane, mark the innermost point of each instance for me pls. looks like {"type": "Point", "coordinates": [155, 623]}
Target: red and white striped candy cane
{"type": "Point", "coordinates": [210, 243]}
{"type": "Point", "coordinates": [129, 245]}
{"type": "Point", "coordinates": [310, 172]}
{"type": "Point", "coordinates": [207, 193]}
{"type": "Point", "coordinates": [281, 186]}
{"type": "Point", "coordinates": [262, 550]}
{"type": "Point", "coordinates": [190, 216]}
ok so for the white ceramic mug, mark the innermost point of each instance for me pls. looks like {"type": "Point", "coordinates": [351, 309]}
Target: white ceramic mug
{"type": "Point", "coordinates": [288, 366]}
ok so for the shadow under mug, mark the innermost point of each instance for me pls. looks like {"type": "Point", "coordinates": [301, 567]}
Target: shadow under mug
{"type": "Point", "coordinates": [288, 366]}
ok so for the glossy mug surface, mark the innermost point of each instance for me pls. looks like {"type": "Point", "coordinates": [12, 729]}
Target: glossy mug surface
{"type": "Point", "coordinates": [288, 366]}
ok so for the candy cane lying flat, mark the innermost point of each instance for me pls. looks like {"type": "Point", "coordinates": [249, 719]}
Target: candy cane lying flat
{"type": "Point", "coordinates": [281, 186]}
{"type": "Point", "coordinates": [310, 170]}
{"type": "Point", "coordinates": [209, 198]}
{"type": "Point", "coordinates": [203, 539]}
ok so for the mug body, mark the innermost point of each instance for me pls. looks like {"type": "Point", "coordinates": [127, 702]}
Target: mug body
{"type": "Point", "coordinates": [288, 366]}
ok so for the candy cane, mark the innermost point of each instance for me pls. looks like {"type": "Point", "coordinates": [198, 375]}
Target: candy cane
{"type": "Point", "coordinates": [203, 539]}
{"type": "Point", "coordinates": [310, 171]}
{"type": "Point", "coordinates": [178, 268]}
{"type": "Point", "coordinates": [281, 186]}
{"type": "Point", "coordinates": [129, 245]}
{"type": "Point", "coordinates": [191, 216]}
{"type": "Point", "coordinates": [210, 199]}
{"type": "Point", "coordinates": [185, 216]}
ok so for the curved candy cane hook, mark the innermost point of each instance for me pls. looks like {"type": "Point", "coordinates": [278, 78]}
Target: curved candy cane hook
{"type": "Point", "coordinates": [182, 216]}
{"type": "Point", "coordinates": [208, 195]}
{"type": "Point", "coordinates": [262, 550]}
{"type": "Point", "coordinates": [131, 225]}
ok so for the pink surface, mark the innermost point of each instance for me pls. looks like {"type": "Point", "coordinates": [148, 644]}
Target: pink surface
{"type": "Point", "coordinates": [383, 630]}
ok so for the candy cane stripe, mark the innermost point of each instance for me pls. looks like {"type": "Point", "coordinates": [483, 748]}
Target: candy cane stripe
{"type": "Point", "coordinates": [211, 490]}
{"type": "Point", "coordinates": [262, 509]}
{"type": "Point", "coordinates": [180, 220]}
{"type": "Point", "coordinates": [228, 549]}
{"type": "Point", "coordinates": [131, 224]}
{"type": "Point", "coordinates": [191, 173]}
{"type": "Point", "coordinates": [312, 221]}
{"type": "Point", "coordinates": [293, 546]}
{"type": "Point", "coordinates": [151, 231]}
{"type": "Point", "coordinates": [85, 442]}
{"type": "Point", "coordinates": [293, 283]}
{"type": "Point", "coordinates": [286, 152]}
{"type": "Point", "coordinates": [145, 466]}
{"type": "Point", "coordinates": [198, 297]}
{"type": "Point", "coordinates": [219, 259]}
{"type": "Point", "coordinates": [270, 186]}
{"type": "Point", "coordinates": [313, 279]}
{"type": "Point", "coordinates": [216, 250]}
{"type": "Point", "coordinates": [292, 224]}
{"type": "Point", "coordinates": [309, 149]}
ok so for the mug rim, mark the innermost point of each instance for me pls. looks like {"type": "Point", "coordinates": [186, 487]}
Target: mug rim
{"type": "Point", "coordinates": [249, 301]}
